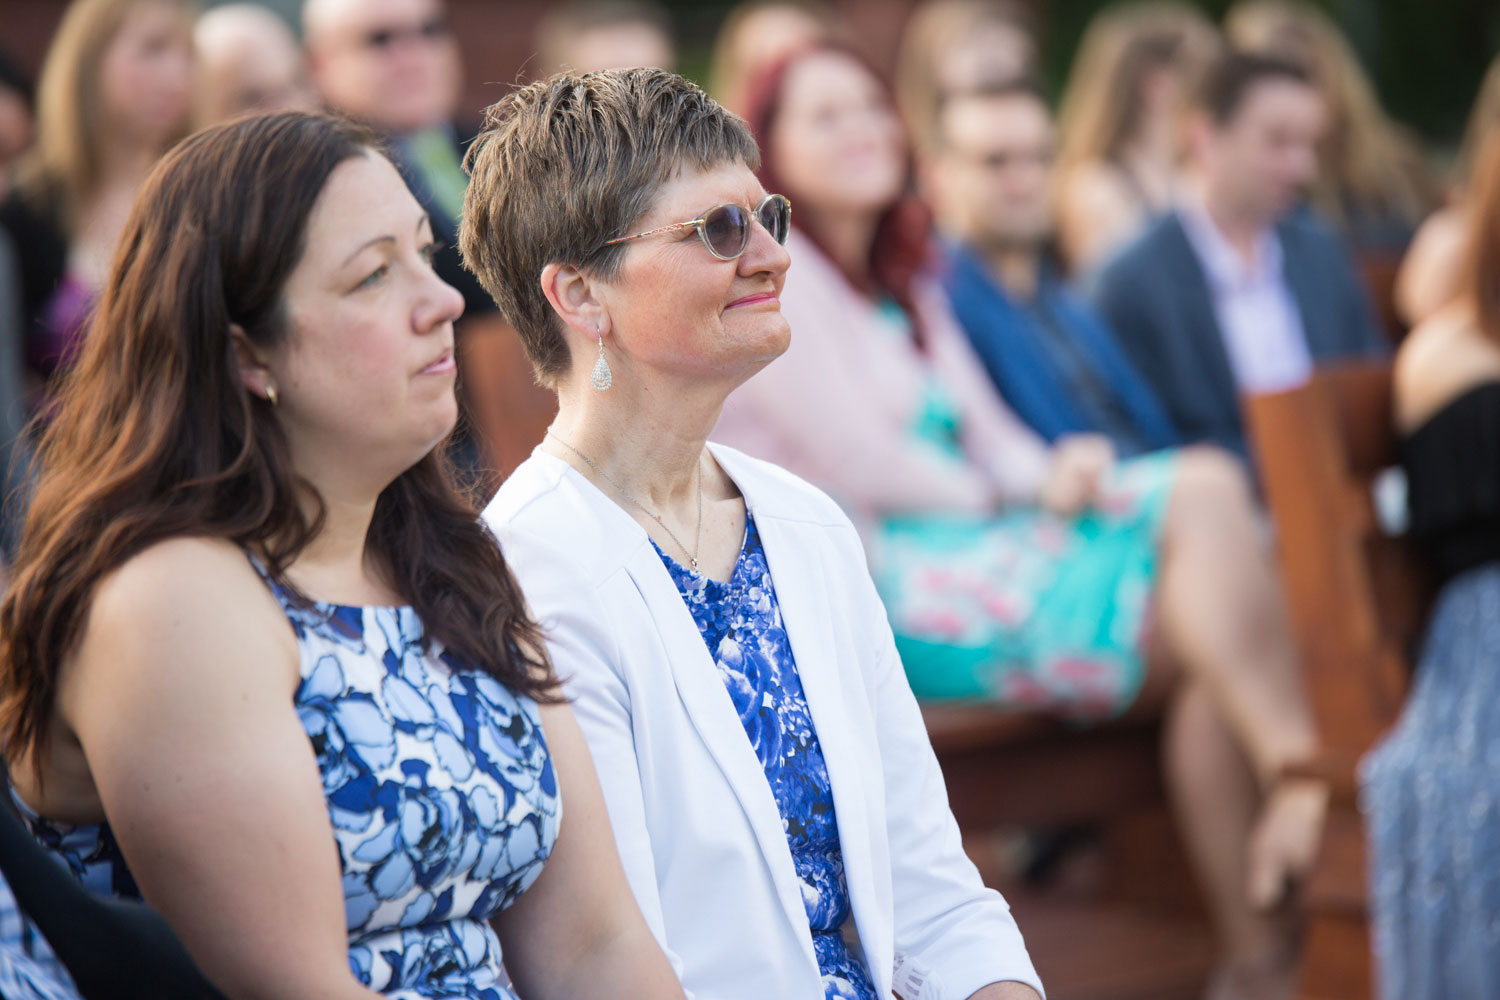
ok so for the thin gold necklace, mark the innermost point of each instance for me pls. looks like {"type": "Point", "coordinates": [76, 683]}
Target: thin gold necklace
{"type": "Point", "coordinates": [698, 532]}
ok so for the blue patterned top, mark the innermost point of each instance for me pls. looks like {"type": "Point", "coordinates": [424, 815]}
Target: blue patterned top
{"type": "Point", "coordinates": [741, 623]}
{"type": "Point", "coordinates": [441, 793]}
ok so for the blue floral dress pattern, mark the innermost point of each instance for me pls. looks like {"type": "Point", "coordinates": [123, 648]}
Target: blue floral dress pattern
{"type": "Point", "coordinates": [741, 623]}
{"type": "Point", "coordinates": [440, 790]}
{"type": "Point", "coordinates": [28, 968]}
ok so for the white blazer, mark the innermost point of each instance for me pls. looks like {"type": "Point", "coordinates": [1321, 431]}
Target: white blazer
{"type": "Point", "coordinates": [694, 817]}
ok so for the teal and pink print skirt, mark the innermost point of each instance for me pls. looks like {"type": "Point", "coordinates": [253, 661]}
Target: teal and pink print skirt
{"type": "Point", "coordinates": [1026, 608]}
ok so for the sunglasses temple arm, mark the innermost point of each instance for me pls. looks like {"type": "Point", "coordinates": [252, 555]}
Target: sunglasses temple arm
{"type": "Point", "coordinates": [652, 232]}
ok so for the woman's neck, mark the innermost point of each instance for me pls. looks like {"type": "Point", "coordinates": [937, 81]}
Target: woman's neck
{"type": "Point", "coordinates": [125, 163]}
{"type": "Point", "coordinates": [1151, 156]}
{"type": "Point", "coordinates": [101, 213]}
{"type": "Point", "coordinates": [847, 237]}
{"type": "Point", "coordinates": [623, 440]}
{"type": "Point", "coordinates": [334, 566]}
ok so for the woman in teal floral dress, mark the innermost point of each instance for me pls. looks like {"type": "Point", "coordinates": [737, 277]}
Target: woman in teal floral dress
{"type": "Point", "coordinates": [263, 666]}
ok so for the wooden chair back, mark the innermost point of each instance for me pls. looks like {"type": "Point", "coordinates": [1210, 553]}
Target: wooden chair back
{"type": "Point", "coordinates": [1379, 272]}
{"type": "Point", "coordinates": [1357, 599]}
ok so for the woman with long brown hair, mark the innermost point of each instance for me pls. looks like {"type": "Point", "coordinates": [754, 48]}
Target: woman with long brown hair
{"type": "Point", "coordinates": [1120, 124]}
{"type": "Point", "coordinates": [113, 95]}
{"type": "Point", "coordinates": [262, 665]}
{"type": "Point", "coordinates": [1429, 785]}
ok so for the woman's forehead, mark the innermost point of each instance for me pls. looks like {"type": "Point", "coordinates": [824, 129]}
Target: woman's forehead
{"type": "Point", "coordinates": [692, 191]}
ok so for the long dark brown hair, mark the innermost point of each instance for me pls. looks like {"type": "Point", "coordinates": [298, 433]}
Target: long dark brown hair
{"type": "Point", "coordinates": [155, 435]}
{"type": "Point", "coordinates": [1479, 273]}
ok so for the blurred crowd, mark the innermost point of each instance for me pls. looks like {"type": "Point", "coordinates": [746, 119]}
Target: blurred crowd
{"type": "Point", "coordinates": [1022, 333]}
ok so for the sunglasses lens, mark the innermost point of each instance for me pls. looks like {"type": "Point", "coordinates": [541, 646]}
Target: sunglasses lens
{"type": "Point", "coordinates": [776, 217]}
{"type": "Point", "coordinates": [727, 229]}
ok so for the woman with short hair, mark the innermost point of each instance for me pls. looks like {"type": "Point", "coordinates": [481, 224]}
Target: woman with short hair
{"type": "Point", "coordinates": [1044, 578]}
{"type": "Point", "coordinates": [771, 786]}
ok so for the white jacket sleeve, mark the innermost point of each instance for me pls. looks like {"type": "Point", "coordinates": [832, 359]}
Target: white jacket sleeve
{"type": "Point", "coordinates": [953, 936]}
{"type": "Point", "coordinates": [586, 657]}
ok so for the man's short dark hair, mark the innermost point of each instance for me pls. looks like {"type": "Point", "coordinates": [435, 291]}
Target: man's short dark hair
{"type": "Point", "coordinates": [1014, 87]}
{"type": "Point", "coordinates": [1229, 80]}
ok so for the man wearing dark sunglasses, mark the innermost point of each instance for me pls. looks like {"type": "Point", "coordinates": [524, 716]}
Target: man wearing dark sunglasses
{"type": "Point", "coordinates": [395, 65]}
{"type": "Point", "coordinates": [390, 63]}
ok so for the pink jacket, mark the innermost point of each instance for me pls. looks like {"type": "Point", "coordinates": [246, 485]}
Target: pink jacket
{"type": "Point", "coordinates": [838, 408]}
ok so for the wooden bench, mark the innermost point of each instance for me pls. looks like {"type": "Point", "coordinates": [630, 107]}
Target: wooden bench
{"type": "Point", "coordinates": [1357, 598]}
{"type": "Point", "coordinates": [1009, 769]}
{"type": "Point", "coordinates": [1141, 934]}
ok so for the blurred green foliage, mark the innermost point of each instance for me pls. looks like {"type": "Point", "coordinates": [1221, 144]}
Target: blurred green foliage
{"type": "Point", "coordinates": [1426, 56]}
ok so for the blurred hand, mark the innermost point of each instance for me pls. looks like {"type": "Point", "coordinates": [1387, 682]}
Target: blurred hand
{"type": "Point", "coordinates": [1080, 465]}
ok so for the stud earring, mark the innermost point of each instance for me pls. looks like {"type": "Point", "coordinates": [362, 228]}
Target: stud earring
{"type": "Point", "coordinates": [601, 377]}
{"type": "Point", "coordinates": [273, 395]}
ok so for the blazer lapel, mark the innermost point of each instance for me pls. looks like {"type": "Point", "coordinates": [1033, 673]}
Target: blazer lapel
{"type": "Point", "coordinates": [713, 716]}
{"type": "Point", "coordinates": [1205, 338]}
{"type": "Point", "coordinates": [1308, 293]}
{"type": "Point", "coordinates": [802, 588]}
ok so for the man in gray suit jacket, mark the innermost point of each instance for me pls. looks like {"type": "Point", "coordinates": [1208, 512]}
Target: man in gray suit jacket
{"type": "Point", "coordinates": [1237, 290]}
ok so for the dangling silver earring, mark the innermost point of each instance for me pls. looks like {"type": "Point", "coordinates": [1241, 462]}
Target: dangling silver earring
{"type": "Point", "coordinates": [601, 377]}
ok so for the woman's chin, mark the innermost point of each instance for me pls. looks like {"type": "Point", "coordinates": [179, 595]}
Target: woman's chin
{"type": "Point", "coordinates": [766, 342]}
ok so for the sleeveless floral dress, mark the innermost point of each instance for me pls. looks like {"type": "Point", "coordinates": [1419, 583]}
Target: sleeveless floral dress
{"type": "Point", "coordinates": [741, 623]}
{"type": "Point", "coordinates": [441, 796]}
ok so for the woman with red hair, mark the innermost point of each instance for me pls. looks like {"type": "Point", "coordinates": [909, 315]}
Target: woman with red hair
{"type": "Point", "coordinates": [1046, 579]}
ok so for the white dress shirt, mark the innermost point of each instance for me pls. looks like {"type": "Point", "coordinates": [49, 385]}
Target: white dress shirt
{"type": "Point", "coordinates": [695, 820]}
{"type": "Point", "coordinates": [1258, 316]}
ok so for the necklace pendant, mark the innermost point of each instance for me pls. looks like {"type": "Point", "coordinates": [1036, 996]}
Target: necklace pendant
{"type": "Point", "coordinates": [694, 564]}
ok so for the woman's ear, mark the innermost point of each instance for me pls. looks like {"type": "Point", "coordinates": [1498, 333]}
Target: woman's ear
{"type": "Point", "coordinates": [574, 296]}
{"type": "Point", "coordinates": [254, 372]}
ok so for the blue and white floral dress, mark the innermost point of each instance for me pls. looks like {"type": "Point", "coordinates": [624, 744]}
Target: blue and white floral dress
{"type": "Point", "coordinates": [441, 793]}
{"type": "Point", "coordinates": [741, 623]}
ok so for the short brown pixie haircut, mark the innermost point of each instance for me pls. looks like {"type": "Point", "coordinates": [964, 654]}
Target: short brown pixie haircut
{"type": "Point", "coordinates": [565, 164]}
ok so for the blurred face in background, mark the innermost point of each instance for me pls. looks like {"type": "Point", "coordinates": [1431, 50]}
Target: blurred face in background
{"type": "Point", "coordinates": [146, 74]}
{"type": "Point", "coordinates": [837, 140]}
{"type": "Point", "coordinates": [17, 126]}
{"type": "Point", "coordinates": [391, 63]}
{"type": "Point", "coordinates": [248, 60]}
{"type": "Point", "coordinates": [990, 180]}
{"type": "Point", "coordinates": [763, 38]}
{"type": "Point", "coordinates": [1259, 162]}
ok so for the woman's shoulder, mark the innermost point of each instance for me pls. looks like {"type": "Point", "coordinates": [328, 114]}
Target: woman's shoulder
{"type": "Point", "coordinates": [550, 522]}
{"type": "Point", "coordinates": [209, 579]}
{"type": "Point", "coordinates": [182, 564]}
{"type": "Point", "coordinates": [182, 610]}
{"type": "Point", "coordinates": [1443, 358]}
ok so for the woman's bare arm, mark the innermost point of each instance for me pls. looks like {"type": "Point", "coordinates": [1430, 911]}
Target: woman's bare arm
{"type": "Point", "coordinates": [181, 696]}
